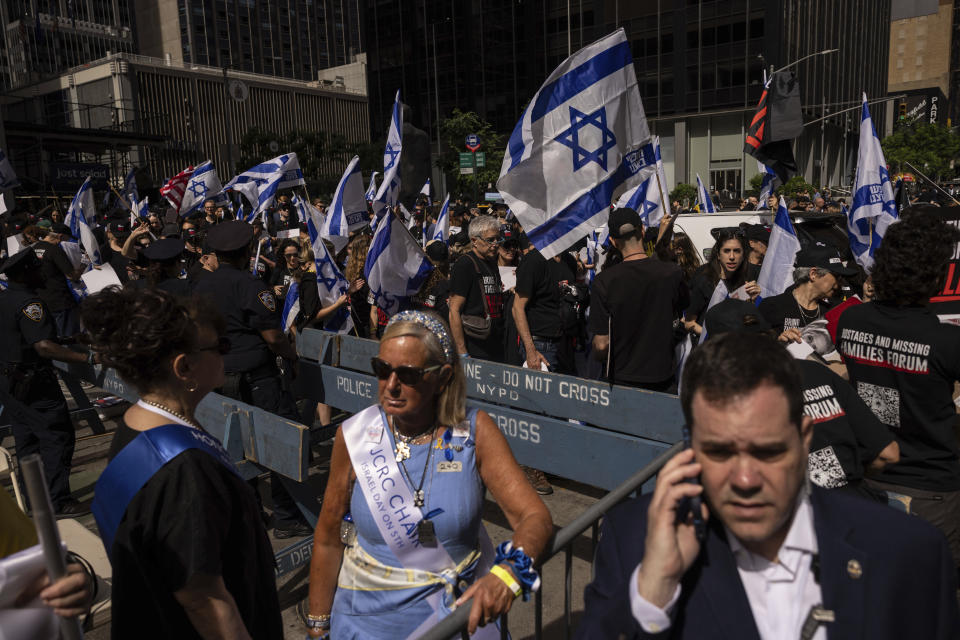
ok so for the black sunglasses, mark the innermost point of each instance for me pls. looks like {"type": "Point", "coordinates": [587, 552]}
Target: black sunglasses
{"type": "Point", "coordinates": [407, 375]}
{"type": "Point", "coordinates": [222, 347]}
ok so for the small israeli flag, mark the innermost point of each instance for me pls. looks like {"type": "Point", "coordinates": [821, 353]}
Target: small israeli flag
{"type": "Point", "coordinates": [331, 284]}
{"type": "Point", "coordinates": [389, 189]}
{"type": "Point", "coordinates": [291, 306]}
{"type": "Point", "coordinates": [874, 207]}
{"type": "Point", "coordinates": [425, 191]}
{"type": "Point", "coordinates": [648, 199]}
{"type": "Point", "coordinates": [130, 193]}
{"type": "Point", "coordinates": [8, 178]}
{"type": "Point", "coordinates": [703, 198]}
{"type": "Point", "coordinates": [766, 185]}
{"type": "Point", "coordinates": [348, 209]}
{"type": "Point", "coordinates": [82, 209]}
{"type": "Point", "coordinates": [372, 189]}
{"type": "Point", "coordinates": [776, 273]}
{"type": "Point", "coordinates": [581, 142]}
{"type": "Point", "coordinates": [396, 267]}
{"type": "Point", "coordinates": [302, 207]}
{"type": "Point", "coordinates": [441, 230]}
{"type": "Point", "coordinates": [203, 184]}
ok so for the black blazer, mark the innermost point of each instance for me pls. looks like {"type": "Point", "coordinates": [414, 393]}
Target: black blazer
{"type": "Point", "coordinates": [906, 588]}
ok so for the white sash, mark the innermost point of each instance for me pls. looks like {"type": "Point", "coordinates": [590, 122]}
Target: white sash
{"type": "Point", "coordinates": [391, 503]}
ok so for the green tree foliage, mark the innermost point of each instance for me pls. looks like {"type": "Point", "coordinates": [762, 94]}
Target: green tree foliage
{"type": "Point", "coordinates": [453, 132]}
{"type": "Point", "coordinates": [797, 185]}
{"type": "Point", "coordinates": [756, 182]}
{"type": "Point", "coordinates": [323, 156]}
{"type": "Point", "coordinates": [929, 147]}
{"type": "Point", "coordinates": [685, 193]}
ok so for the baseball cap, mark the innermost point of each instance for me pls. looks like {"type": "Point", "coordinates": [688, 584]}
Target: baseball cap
{"type": "Point", "coordinates": [44, 223]}
{"type": "Point", "coordinates": [437, 251]}
{"type": "Point", "coordinates": [624, 221]}
{"type": "Point", "coordinates": [824, 257]}
{"type": "Point", "coordinates": [734, 315]}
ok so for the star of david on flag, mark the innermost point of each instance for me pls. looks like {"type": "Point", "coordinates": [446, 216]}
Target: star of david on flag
{"type": "Point", "coordinates": [389, 189]}
{"type": "Point", "coordinates": [204, 183]}
{"type": "Point", "coordinates": [649, 199]}
{"type": "Point", "coordinates": [259, 184]}
{"type": "Point", "coordinates": [582, 141]}
{"type": "Point", "coordinates": [330, 282]}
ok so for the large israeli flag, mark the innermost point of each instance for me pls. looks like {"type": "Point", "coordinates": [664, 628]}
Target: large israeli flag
{"type": "Point", "coordinates": [8, 178]}
{"type": "Point", "coordinates": [581, 142]}
{"type": "Point", "coordinates": [348, 209]}
{"type": "Point", "coordinates": [372, 189]}
{"type": "Point", "coordinates": [204, 184]}
{"type": "Point", "coordinates": [396, 267]}
{"type": "Point", "coordinates": [82, 209]}
{"type": "Point", "coordinates": [648, 198]}
{"type": "Point", "coordinates": [441, 230]}
{"type": "Point", "coordinates": [874, 206]}
{"type": "Point", "coordinates": [389, 189]}
{"type": "Point", "coordinates": [259, 184]}
{"type": "Point", "coordinates": [331, 284]}
{"type": "Point", "coordinates": [703, 198]}
{"type": "Point", "coordinates": [776, 273]}
{"type": "Point", "coordinates": [766, 185]}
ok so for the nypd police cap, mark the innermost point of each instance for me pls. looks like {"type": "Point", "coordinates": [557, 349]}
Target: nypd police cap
{"type": "Point", "coordinates": [164, 249]}
{"type": "Point", "coordinates": [20, 261]}
{"type": "Point", "coordinates": [230, 236]}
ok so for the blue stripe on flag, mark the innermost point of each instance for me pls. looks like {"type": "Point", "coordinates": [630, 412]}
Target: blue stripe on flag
{"type": "Point", "coordinates": [580, 78]}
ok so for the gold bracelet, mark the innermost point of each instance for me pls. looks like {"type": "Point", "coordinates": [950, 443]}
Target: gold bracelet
{"type": "Point", "coordinates": [318, 622]}
{"type": "Point", "coordinates": [507, 579]}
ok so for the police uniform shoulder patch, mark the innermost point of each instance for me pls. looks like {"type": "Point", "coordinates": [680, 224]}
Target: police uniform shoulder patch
{"type": "Point", "coordinates": [268, 300]}
{"type": "Point", "coordinates": [34, 311]}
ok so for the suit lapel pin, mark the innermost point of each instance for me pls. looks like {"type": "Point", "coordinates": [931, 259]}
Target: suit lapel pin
{"type": "Point", "coordinates": [854, 570]}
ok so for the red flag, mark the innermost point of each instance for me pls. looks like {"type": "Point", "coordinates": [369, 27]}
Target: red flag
{"type": "Point", "coordinates": [175, 186]}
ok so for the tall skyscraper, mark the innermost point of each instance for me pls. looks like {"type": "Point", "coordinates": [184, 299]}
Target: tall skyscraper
{"type": "Point", "coordinates": [283, 38]}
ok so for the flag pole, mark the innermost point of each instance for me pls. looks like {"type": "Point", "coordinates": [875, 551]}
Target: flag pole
{"type": "Point", "coordinates": [859, 106]}
{"type": "Point", "coordinates": [121, 198]}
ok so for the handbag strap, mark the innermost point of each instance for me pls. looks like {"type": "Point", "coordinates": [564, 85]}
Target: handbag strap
{"type": "Point", "coordinates": [483, 293]}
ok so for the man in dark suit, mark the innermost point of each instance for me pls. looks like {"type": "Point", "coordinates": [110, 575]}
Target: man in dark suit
{"type": "Point", "coordinates": [774, 558]}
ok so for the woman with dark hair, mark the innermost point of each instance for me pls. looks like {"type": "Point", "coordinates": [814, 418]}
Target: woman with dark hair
{"type": "Point", "coordinates": [288, 266]}
{"type": "Point", "coordinates": [727, 266]}
{"type": "Point", "coordinates": [182, 527]}
{"type": "Point", "coordinates": [905, 363]}
{"type": "Point", "coordinates": [685, 255]}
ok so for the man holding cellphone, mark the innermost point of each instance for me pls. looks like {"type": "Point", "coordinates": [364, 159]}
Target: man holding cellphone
{"type": "Point", "coordinates": [780, 559]}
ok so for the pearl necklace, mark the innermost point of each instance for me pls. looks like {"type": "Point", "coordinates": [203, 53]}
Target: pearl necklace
{"type": "Point", "coordinates": [167, 412]}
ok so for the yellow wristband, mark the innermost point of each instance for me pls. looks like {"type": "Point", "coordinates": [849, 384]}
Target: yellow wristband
{"type": "Point", "coordinates": [508, 580]}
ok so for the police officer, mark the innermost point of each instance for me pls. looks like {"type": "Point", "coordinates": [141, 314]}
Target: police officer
{"type": "Point", "coordinates": [28, 384]}
{"type": "Point", "coordinates": [253, 328]}
{"type": "Point", "coordinates": [165, 266]}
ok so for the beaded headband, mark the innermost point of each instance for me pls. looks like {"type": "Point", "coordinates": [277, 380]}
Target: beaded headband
{"type": "Point", "coordinates": [432, 324]}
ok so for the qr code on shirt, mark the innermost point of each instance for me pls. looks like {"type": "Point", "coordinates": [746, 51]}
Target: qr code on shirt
{"type": "Point", "coordinates": [824, 469]}
{"type": "Point", "coordinates": [883, 401]}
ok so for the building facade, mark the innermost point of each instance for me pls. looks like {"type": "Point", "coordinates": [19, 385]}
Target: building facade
{"type": "Point", "coordinates": [42, 38]}
{"type": "Point", "coordinates": [700, 67]}
{"type": "Point", "coordinates": [159, 117]}
{"type": "Point", "coordinates": [284, 38]}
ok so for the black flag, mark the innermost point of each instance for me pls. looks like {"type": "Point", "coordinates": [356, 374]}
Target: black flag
{"type": "Point", "coordinates": [776, 122]}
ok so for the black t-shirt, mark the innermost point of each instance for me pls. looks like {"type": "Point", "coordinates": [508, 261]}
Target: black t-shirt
{"type": "Point", "coordinates": [465, 282]}
{"type": "Point", "coordinates": [784, 312]}
{"type": "Point", "coordinates": [24, 321]}
{"type": "Point", "coordinates": [541, 281]}
{"type": "Point", "coordinates": [194, 516]}
{"type": "Point", "coordinates": [249, 307]}
{"type": "Point", "coordinates": [438, 298]}
{"type": "Point", "coordinates": [56, 268]}
{"type": "Point", "coordinates": [636, 303]}
{"type": "Point", "coordinates": [903, 362]}
{"type": "Point", "coordinates": [309, 299]}
{"type": "Point", "coordinates": [846, 435]}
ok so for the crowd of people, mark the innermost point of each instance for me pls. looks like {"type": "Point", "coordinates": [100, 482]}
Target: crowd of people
{"type": "Point", "coordinates": [868, 413]}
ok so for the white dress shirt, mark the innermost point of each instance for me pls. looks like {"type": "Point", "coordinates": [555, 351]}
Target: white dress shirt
{"type": "Point", "coordinates": [780, 593]}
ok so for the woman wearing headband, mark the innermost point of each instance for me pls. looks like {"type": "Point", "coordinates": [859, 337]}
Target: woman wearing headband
{"type": "Point", "coordinates": [400, 541]}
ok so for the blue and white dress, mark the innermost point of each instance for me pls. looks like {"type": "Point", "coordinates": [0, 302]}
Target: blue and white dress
{"type": "Point", "coordinates": [376, 596]}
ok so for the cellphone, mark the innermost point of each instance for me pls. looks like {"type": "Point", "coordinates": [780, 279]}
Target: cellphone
{"type": "Point", "coordinates": [690, 506]}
